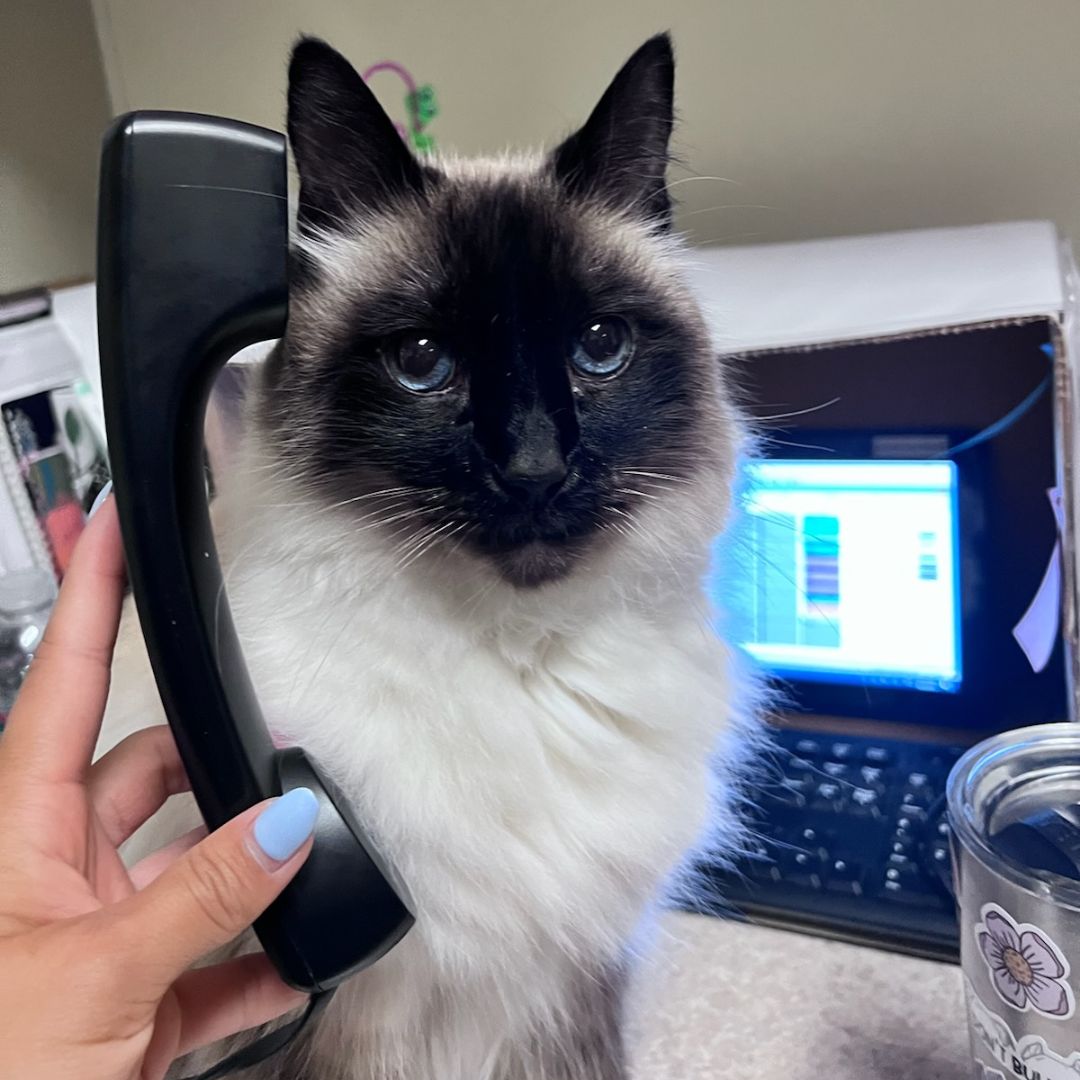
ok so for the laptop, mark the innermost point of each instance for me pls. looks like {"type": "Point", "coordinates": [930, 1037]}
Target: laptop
{"type": "Point", "coordinates": [893, 530]}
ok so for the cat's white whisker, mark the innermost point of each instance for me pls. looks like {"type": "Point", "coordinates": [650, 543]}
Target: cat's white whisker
{"type": "Point", "coordinates": [797, 412]}
{"type": "Point", "coordinates": [404, 515]}
{"type": "Point", "coordinates": [657, 476]}
{"type": "Point", "coordinates": [800, 446]}
{"type": "Point", "coordinates": [234, 190]}
{"type": "Point", "coordinates": [697, 179]}
{"type": "Point", "coordinates": [436, 536]}
{"type": "Point", "coordinates": [406, 489]}
{"type": "Point", "coordinates": [639, 494]}
{"type": "Point", "coordinates": [686, 215]}
{"type": "Point", "coordinates": [382, 493]}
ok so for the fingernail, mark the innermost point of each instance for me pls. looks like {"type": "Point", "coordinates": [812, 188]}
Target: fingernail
{"type": "Point", "coordinates": [281, 829]}
{"type": "Point", "coordinates": [102, 495]}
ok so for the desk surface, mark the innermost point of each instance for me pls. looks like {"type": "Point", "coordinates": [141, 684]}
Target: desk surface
{"type": "Point", "coordinates": [725, 1001]}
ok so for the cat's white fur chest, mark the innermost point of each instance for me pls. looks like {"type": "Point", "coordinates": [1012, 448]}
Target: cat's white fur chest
{"type": "Point", "coordinates": [509, 750]}
{"type": "Point", "coordinates": [533, 764]}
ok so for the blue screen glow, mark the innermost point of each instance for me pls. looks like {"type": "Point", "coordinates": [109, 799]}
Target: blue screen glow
{"type": "Point", "coordinates": [846, 571]}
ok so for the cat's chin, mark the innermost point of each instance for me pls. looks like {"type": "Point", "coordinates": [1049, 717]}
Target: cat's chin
{"type": "Point", "coordinates": [536, 563]}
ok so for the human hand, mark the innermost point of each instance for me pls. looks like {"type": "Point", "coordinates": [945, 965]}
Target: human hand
{"type": "Point", "coordinates": [94, 958]}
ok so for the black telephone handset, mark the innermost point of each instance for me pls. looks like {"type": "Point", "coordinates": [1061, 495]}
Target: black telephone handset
{"type": "Point", "coordinates": [192, 255]}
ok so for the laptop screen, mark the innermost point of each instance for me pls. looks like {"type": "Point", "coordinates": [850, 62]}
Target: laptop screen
{"type": "Point", "coordinates": [850, 572]}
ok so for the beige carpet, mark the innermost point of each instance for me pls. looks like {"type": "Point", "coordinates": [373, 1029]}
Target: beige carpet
{"type": "Point", "coordinates": [727, 1001]}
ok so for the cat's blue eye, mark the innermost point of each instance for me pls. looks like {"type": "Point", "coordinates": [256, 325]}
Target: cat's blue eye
{"type": "Point", "coordinates": [603, 347]}
{"type": "Point", "coordinates": [421, 363]}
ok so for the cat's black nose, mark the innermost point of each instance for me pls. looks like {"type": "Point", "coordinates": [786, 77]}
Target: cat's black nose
{"type": "Point", "coordinates": [533, 478]}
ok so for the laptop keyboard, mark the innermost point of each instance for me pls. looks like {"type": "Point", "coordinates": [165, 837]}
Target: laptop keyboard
{"type": "Point", "coordinates": [850, 839]}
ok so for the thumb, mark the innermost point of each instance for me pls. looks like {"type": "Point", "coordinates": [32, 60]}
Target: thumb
{"type": "Point", "coordinates": [217, 889]}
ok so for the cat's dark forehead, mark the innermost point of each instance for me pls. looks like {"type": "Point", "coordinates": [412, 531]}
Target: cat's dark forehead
{"type": "Point", "coordinates": [488, 223]}
{"type": "Point", "coordinates": [489, 245]}
{"type": "Point", "coordinates": [503, 249]}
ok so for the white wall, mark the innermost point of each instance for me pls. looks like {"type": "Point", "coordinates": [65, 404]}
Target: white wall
{"type": "Point", "coordinates": [826, 116]}
{"type": "Point", "coordinates": [53, 108]}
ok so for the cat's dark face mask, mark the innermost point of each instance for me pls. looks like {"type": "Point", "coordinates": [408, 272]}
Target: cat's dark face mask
{"type": "Point", "coordinates": [483, 358]}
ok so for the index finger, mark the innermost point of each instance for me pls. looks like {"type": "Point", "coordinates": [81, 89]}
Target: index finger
{"type": "Point", "coordinates": [56, 719]}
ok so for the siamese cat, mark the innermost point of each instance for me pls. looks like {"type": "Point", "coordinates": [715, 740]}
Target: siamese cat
{"type": "Point", "coordinates": [464, 538]}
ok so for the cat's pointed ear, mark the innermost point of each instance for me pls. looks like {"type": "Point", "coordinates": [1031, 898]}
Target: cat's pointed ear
{"type": "Point", "coordinates": [621, 154]}
{"type": "Point", "coordinates": [348, 153]}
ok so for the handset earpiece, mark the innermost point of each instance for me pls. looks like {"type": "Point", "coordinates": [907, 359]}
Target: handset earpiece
{"type": "Point", "coordinates": [192, 255]}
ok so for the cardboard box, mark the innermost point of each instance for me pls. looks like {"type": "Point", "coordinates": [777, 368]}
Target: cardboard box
{"type": "Point", "coordinates": [904, 331]}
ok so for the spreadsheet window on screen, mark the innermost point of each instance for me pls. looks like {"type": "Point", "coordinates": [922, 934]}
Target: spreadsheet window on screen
{"type": "Point", "coordinates": [849, 572]}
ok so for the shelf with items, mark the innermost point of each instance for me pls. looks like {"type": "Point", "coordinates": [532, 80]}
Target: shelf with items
{"type": "Point", "coordinates": [51, 457]}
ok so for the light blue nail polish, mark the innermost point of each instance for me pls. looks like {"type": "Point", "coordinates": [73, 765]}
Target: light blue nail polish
{"type": "Point", "coordinates": [281, 829]}
{"type": "Point", "coordinates": [102, 495]}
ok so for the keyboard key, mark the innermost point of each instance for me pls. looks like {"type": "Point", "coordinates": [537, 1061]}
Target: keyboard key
{"type": "Point", "coordinates": [814, 841]}
{"type": "Point", "coordinates": [902, 875]}
{"type": "Point", "coordinates": [799, 764]}
{"type": "Point", "coordinates": [872, 775]}
{"type": "Point", "coordinates": [841, 751]}
{"type": "Point", "coordinates": [902, 893]}
{"type": "Point", "coordinates": [844, 887]}
{"type": "Point", "coordinates": [790, 793]}
{"type": "Point", "coordinates": [805, 872]}
{"type": "Point", "coordinates": [906, 836]}
{"type": "Point", "coordinates": [919, 799]}
{"type": "Point", "coordinates": [917, 781]}
{"type": "Point", "coordinates": [838, 771]}
{"type": "Point", "coordinates": [865, 802]}
{"type": "Point", "coordinates": [808, 748]}
{"type": "Point", "coordinates": [765, 872]}
{"type": "Point", "coordinates": [844, 876]}
{"type": "Point", "coordinates": [909, 817]}
{"type": "Point", "coordinates": [789, 798]}
{"type": "Point", "coordinates": [878, 755]}
{"type": "Point", "coordinates": [829, 796]}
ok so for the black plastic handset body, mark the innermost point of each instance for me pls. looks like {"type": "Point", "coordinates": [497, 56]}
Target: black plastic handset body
{"type": "Point", "coordinates": [192, 256]}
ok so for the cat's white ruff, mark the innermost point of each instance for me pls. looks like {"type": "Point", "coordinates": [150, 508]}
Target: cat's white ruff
{"type": "Point", "coordinates": [532, 762]}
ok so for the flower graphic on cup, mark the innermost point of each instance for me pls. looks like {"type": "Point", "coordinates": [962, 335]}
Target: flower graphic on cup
{"type": "Point", "coordinates": [1027, 969]}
